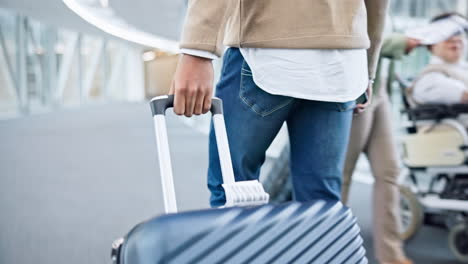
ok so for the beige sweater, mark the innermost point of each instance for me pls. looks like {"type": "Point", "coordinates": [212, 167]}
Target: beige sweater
{"type": "Point", "coordinates": [296, 24]}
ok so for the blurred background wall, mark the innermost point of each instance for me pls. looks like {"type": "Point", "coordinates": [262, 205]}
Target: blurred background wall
{"type": "Point", "coordinates": [51, 59]}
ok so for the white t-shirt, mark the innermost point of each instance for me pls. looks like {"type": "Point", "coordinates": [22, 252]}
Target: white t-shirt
{"type": "Point", "coordinates": [332, 75]}
{"type": "Point", "coordinates": [437, 88]}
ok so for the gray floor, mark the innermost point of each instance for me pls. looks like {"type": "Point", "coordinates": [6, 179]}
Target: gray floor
{"type": "Point", "coordinates": [429, 246]}
{"type": "Point", "coordinates": [74, 180]}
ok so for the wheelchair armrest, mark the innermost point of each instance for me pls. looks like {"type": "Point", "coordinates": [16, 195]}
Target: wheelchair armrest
{"type": "Point", "coordinates": [459, 108]}
{"type": "Point", "coordinates": [430, 112]}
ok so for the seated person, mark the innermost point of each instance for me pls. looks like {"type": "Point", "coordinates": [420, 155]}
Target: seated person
{"type": "Point", "coordinates": [445, 79]}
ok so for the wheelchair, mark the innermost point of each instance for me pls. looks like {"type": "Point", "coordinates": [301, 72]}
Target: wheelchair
{"type": "Point", "coordinates": [435, 153]}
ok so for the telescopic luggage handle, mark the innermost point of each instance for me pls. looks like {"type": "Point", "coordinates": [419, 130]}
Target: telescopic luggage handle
{"type": "Point", "coordinates": [237, 193]}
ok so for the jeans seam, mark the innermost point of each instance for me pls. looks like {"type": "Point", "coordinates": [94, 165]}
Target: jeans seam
{"type": "Point", "coordinates": [250, 105]}
{"type": "Point", "coordinates": [245, 70]}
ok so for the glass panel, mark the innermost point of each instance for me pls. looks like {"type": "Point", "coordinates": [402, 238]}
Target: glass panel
{"type": "Point", "coordinates": [64, 68]}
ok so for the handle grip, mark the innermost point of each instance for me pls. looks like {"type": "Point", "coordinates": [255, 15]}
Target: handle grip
{"type": "Point", "coordinates": [160, 104]}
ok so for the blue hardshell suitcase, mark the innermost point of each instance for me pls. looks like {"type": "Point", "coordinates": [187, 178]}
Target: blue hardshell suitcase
{"type": "Point", "coordinates": [313, 232]}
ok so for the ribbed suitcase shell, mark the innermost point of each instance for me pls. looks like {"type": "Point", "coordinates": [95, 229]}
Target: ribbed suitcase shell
{"type": "Point", "coordinates": [314, 232]}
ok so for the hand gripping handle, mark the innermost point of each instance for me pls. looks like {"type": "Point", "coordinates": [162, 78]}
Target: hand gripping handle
{"type": "Point", "coordinates": [159, 105]}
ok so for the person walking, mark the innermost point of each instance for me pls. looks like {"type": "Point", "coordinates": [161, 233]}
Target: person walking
{"type": "Point", "coordinates": [299, 61]}
{"type": "Point", "coordinates": [372, 134]}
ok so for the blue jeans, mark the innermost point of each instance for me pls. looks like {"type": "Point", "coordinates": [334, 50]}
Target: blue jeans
{"type": "Point", "coordinates": [318, 133]}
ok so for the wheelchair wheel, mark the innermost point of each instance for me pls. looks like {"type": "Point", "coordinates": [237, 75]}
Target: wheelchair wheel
{"type": "Point", "coordinates": [411, 213]}
{"type": "Point", "coordinates": [458, 241]}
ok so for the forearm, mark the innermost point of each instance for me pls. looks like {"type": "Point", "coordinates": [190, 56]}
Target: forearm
{"type": "Point", "coordinates": [394, 46]}
{"type": "Point", "coordinates": [376, 14]}
{"type": "Point", "coordinates": [203, 28]}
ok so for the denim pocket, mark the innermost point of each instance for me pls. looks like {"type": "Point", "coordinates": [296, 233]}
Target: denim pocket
{"type": "Point", "coordinates": [258, 100]}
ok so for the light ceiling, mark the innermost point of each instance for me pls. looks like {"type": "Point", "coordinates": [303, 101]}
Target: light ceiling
{"type": "Point", "coordinates": [161, 17]}
{"type": "Point", "coordinates": [157, 18]}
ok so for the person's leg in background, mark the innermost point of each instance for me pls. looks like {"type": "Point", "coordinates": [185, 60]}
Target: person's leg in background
{"type": "Point", "coordinates": [358, 140]}
{"type": "Point", "coordinates": [318, 133]}
{"type": "Point", "coordinates": [253, 119]}
{"type": "Point", "coordinates": [383, 157]}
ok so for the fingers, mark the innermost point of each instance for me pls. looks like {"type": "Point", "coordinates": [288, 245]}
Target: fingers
{"type": "Point", "coordinates": [360, 108]}
{"type": "Point", "coordinates": [198, 109]}
{"type": "Point", "coordinates": [179, 99]}
{"type": "Point", "coordinates": [191, 101]}
{"type": "Point", "coordinates": [203, 102]}
{"type": "Point", "coordinates": [365, 105]}
{"type": "Point", "coordinates": [198, 101]}
{"type": "Point", "coordinates": [191, 97]}
{"type": "Point", "coordinates": [207, 104]}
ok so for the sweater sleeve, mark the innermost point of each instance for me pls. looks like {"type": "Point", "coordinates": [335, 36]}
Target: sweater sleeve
{"type": "Point", "coordinates": [394, 46]}
{"type": "Point", "coordinates": [204, 25]}
{"type": "Point", "coordinates": [199, 53]}
{"type": "Point", "coordinates": [376, 15]}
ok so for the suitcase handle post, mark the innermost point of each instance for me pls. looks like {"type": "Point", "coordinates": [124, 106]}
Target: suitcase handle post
{"type": "Point", "coordinates": [159, 105]}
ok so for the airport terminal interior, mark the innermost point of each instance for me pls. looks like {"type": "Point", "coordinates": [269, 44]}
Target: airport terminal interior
{"type": "Point", "coordinates": [78, 160]}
